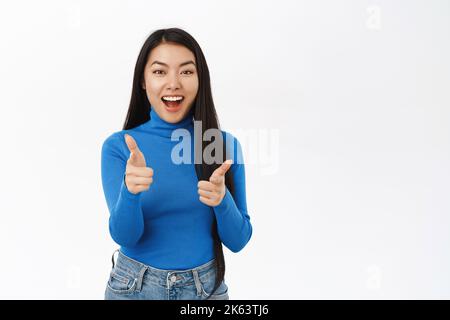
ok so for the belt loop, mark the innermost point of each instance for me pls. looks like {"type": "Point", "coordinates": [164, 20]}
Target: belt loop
{"type": "Point", "coordinates": [197, 282]}
{"type": "Point", "coordinates": [112, 258]}
{"type": "Point", "coordinates": [140, 278]}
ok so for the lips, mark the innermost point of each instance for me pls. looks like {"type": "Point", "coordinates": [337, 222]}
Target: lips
{"type": "Point", "coordinates": [173, 109]}
{"type": "Point", "coordinates": [173, 104]}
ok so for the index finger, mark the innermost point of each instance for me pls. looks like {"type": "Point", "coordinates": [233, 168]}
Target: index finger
{"type": "Point", "coordinates": [131, 143]}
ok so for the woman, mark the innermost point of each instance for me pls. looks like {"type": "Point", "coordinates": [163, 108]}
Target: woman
{"type": "Point", "coordinates": [170, 211]}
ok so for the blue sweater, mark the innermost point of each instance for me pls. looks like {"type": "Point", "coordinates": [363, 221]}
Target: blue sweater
{"type": "Point", "coordinates": [167, 226]}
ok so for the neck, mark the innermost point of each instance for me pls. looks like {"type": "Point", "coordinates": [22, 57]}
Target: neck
{"type": "Point", "coordinates": [164, 128]}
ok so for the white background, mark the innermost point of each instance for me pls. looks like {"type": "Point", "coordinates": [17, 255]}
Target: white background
{"type": "Point", "coordinates": [354, 96]}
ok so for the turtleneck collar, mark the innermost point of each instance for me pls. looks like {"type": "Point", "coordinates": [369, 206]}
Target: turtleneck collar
{"type": "Point", "coordinates": [163, 128]}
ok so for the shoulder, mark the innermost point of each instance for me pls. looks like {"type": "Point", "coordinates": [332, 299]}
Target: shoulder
{"type": "Point", "coordinates": [115, 143]}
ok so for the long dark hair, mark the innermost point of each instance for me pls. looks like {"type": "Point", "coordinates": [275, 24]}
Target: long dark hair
{"type": "Point", "coordinates": [204, 111]}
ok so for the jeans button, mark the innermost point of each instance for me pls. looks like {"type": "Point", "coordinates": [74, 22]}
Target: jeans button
{"type": "Point", "coordinates": [173, 278]}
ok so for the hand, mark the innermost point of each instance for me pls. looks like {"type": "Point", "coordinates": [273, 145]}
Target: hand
{"type": "Point", "coordinates": [212, 192]}
{"type": "Point", "coordinates": [138, 177]}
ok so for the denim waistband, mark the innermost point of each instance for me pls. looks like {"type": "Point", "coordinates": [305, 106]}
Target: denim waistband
{"type": "Point", "coordinates": [163, 276]}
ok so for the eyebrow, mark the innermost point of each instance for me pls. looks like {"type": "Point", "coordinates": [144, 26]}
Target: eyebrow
{"type": "Point", "coordinates": [181, 64]}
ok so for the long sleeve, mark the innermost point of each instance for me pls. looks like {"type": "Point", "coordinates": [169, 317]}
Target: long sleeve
{"type": "Point", "coordinates": [233, 220]}
{"type": "Point", "coordinates": [126, 222]}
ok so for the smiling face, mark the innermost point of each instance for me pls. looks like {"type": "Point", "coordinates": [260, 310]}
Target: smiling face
{"type": "Point", "coordinates": [171, 71]}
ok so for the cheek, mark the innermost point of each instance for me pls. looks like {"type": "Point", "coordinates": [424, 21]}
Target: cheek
{"type": "Point", "coordinates": [153, 89]}
{"type": "Point", "coordinates": [152, 98]}
{"type": "Point", "coordinates": [154, 86]}
{"type": "Point", "coordinates": [191, 86]}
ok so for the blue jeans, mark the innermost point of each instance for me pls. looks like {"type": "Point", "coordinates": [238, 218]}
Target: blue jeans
{"type": "Point", "coordinates": [133, 280]}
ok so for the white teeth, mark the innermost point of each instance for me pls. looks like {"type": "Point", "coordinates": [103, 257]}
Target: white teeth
{"type": "Point", "coordinates": [172, 98]}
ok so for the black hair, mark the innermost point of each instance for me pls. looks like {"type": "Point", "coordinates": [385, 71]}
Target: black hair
{"type": "Point", "coordinates": [204, 111]}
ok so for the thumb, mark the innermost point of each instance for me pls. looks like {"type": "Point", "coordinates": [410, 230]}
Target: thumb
{"type": "Point", "coordinates": [220, 171]}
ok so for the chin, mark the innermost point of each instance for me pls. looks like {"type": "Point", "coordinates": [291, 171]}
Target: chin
{"type": "Point", "coordinates": [174, 117]}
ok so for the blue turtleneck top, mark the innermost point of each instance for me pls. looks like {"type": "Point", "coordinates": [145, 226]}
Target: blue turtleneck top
{"type": "Point", "coordinates": [167, 226]}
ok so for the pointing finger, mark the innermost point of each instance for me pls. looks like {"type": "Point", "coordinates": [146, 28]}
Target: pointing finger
{"type": "Point", "coordinates": [131, 144]}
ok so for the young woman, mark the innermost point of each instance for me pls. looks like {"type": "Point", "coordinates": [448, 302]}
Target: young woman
{"type": "Point", "coordinates": [170, 206]}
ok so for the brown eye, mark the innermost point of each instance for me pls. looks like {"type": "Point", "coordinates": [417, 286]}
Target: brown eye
{"type": "Point", "coordinates": [155, 72]}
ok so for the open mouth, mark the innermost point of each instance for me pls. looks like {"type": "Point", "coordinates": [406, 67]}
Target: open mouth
{"type": "Point", "coordinates": [172, 102]}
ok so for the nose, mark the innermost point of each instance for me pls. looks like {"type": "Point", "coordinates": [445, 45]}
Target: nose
{"type": "Point", "coordinates": [173, 81]}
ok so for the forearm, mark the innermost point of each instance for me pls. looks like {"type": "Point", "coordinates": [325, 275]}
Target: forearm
{"type": "Point", "coordinates": [126, 222]}
{"type": "Point", "coordinates": [233, 224]}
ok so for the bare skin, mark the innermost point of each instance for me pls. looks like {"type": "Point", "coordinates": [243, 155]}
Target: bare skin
{"type": "Point", "coordinates": [173, 78]}
{"type": "Point", "coordinates": [177, 75]}
{"type": "Point", "coordinates": [138, 177]}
